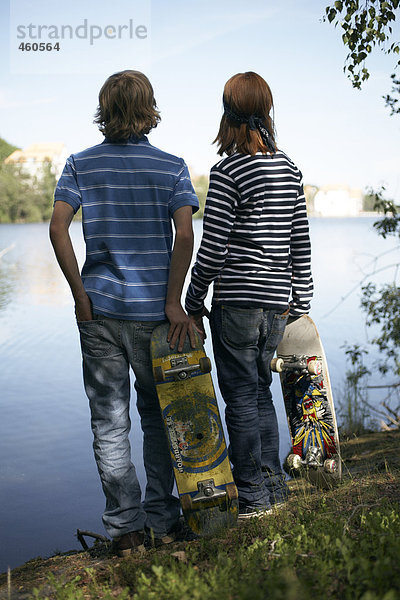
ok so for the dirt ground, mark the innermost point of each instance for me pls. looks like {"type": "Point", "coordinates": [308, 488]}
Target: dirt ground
{"type": "Point", "coordinates": [374, 454]}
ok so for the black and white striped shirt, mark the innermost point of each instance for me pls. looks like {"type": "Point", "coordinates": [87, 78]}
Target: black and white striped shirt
{"type": "Point", "coordinates": [256, 244]}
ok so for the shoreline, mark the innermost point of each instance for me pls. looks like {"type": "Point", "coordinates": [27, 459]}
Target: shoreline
{"type": "Point", "coordinates": [311, 215]}
{"type": "Point", "coordinates": [371, 479]}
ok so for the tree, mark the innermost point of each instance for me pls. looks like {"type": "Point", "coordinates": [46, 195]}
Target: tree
{"type": "Point", "coordinates": [23, 198]}
{"type": "Point", "coordinates": [382, 305]}
{"type": "Point", "coordinates": [6, 149]}
{"type": "Point", "coordinates": [14, 193]}
{"type": "Point", "coordinates": [391, 101]}
{"type": "Point", "coordinates": [44, 186]}
{"type": "Point", "coordinates": [367, 25]}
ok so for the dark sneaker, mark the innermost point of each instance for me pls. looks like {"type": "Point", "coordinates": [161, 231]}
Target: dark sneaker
{"type": "Point", "coordinates": [247, 512]}
{"type": "Point", "coordinates": [183, 533]}
{"type": "Point", "coordinates": [129, 543]}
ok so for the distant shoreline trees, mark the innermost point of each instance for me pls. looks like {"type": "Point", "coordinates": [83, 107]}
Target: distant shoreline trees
{"type": "Point", "coordinates": [23, 198]}
{"type": "Point", "coordinates": [29, 199]}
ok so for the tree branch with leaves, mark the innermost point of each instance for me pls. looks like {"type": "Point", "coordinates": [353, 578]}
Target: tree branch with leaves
{"type": "Point", "coordinates": [366, 26]}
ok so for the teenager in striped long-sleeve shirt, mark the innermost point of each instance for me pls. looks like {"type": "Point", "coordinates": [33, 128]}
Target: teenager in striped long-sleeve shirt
{"type": "Point", "coordinates": [256, 251]}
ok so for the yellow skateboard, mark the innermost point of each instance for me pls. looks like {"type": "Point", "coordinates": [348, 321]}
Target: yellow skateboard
{"type": "Point", "coordinates": [203, 475]}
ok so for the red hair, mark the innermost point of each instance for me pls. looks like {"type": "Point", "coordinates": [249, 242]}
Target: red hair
{"type": "Point", "coordinates": [246, 94]}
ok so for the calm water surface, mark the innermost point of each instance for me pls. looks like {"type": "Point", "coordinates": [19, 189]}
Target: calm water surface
{"type": "Point", "coordinates": [49, 485]}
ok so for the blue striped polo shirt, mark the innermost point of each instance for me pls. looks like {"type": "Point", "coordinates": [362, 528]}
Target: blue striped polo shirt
{"type": "Point", "coordinates": [128, 193]}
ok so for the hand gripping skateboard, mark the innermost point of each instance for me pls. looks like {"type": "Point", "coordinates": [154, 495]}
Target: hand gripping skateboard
{"type": "Point", "coordinates": [203, 475]}
{"type": "Point", "coordinates": [309, 404]}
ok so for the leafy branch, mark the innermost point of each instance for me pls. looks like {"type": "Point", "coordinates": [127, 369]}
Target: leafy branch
{"type": "Point", "coordinates": [390, 100]}
{"type": "Point", "coordinates": [389, 224]}
{"type": "Point", "coordinates": [365, 25]}
{"type": "Point", "coordinates": [381, 305]}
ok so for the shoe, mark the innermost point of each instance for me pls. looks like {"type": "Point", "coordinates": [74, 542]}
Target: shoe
{"type": "Point", "coordinates": [183, 533]}
{"type": "Point", "coordinates": [179, 533]}
{"type": "Point", "coordinates": [249, 511]}
{"type": "Point", "coordinates": [129, 543]}
{"type": "Point", "coordinates": [155, 541]}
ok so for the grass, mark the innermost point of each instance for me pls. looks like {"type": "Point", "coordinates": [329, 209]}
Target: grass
{"type": "Point", "coordinates": [342, 543]}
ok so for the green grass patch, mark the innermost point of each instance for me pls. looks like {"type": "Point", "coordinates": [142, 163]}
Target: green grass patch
{"type": "Point", "coordinates": [314, 548]}
{"type": "Point", "coordinates": [342, 543]}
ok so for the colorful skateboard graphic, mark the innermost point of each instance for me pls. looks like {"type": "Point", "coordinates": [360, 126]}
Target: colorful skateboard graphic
{"type": "Point", "coordinates": [192, 422]}
{"type": "Point", "coordinates": [309, 404]}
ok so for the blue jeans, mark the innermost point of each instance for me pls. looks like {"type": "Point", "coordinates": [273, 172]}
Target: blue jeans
{"type": "Point", "coordinates": [244, 342]}
{"type": "Point", "coordinates": [109, 348]}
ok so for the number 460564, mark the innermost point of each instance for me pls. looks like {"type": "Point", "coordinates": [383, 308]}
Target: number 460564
{"type": "Point", "coordinates": [41, 47]}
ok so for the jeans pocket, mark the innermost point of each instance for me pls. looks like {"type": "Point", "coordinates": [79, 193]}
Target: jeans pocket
{"type": "Point", "coordinates": [142, 340]}
{"type": "Point", "coordinates": [277, 330]}
{"type": "Point", "coordinates": [93, 337]}
{"type": "Point", "coordinates": [241, 326]}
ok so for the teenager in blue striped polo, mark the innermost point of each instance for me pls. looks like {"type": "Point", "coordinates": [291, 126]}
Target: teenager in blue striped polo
{"type": "Point", "coordinates": [130, 194]}
{"type": "Point", "coordinates": [256, 250]}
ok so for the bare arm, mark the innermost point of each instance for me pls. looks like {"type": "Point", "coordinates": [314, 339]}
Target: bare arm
{"type": "Point", "coordinates": [64, 251]}
{"type": "Point", "coordinates": [181, 325]}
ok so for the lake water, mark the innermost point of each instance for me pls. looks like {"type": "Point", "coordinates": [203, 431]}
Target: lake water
{"type": "Point", "coordinates": [49, 485]}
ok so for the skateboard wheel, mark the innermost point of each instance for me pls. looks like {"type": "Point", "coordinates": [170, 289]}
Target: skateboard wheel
{"type": "Point", "coordinates": [205, 364]}
{"type": "Point", "coordinates": [314, 367]}
{"type": "Point", "coordinates": [158, 374]}
{"type": "Point", "coordinates": [186, 502]}
{"type": "Point", "coordinates": [231, 491]}
{"type": "Point", "coordinates": [294, 462]}
{"type": "Point", "coordinates": [330, 465]}
{"type": "Point", "coordinates": [277, 365]}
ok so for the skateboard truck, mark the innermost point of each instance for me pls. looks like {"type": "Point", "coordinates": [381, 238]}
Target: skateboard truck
{"type": "Point", "coordinates": [314, 459]}
{"type": "Point", "coordinates": [181, 369]}
{"type": "Point", "coordinates": [297, 363]}
{"type": "Point", "coordinates": [207, 491]}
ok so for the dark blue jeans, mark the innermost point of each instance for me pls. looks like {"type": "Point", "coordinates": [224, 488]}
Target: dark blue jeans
{"type": "Point", "coordinates": [244, 342]}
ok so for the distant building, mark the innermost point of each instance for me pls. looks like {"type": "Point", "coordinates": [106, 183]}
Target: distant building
{"type": "Point", "coordinates": [33, 158]}
{"type": "Point", "coordinates": [337, 201]}
{"type": "Point", "coordinates": [309, 192]}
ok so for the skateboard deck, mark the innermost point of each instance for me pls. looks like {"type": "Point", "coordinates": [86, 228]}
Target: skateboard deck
{"type": "Point", "coordinates": [309, 405]}
{"type": "Point", "coordinates": [203, 475]}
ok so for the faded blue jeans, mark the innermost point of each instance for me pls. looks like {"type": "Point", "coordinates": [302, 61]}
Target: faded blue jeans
{"type": "Point", "coordinates": [244, 342]}
{"type": "Point", "coordinates": [109, 348]}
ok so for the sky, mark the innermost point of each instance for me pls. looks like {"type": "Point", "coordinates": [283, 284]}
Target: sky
{"type": "Point", "coordinates": [189, 49]}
